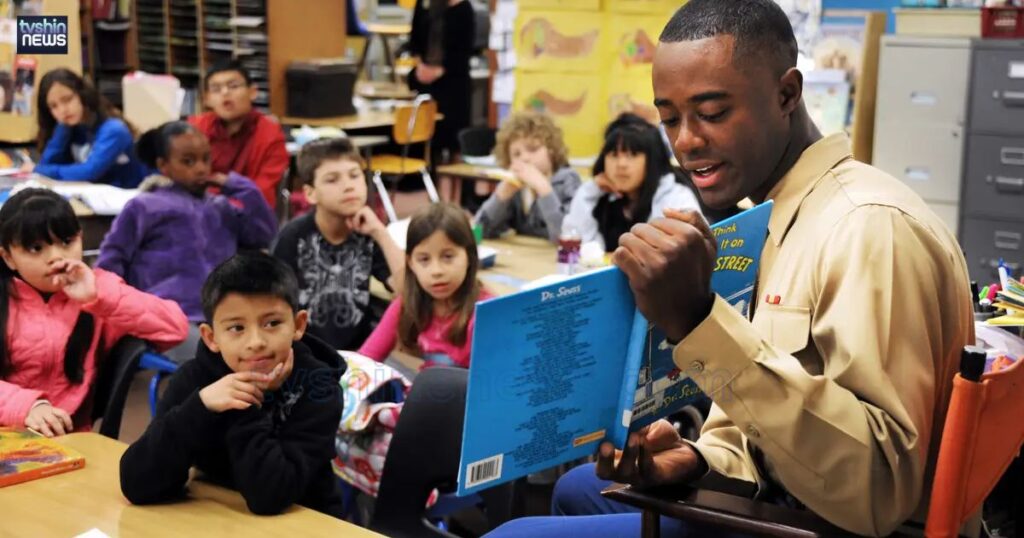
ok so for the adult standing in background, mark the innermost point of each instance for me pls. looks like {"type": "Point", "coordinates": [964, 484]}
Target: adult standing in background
{"type": "Point", "coordinates": [443, 32]}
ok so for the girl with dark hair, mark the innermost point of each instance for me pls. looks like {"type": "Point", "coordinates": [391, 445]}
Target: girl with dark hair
{"type": "Point", "coordinates": [168, 239]}
{"type": "Point", "coordinates": [81, 136]}
{"type": "Point", "coordinates": [57, 314]}
{"type": "Point", "coordinates": [434, 316]}
{"type": "Point", "coordinates": [634, 181]}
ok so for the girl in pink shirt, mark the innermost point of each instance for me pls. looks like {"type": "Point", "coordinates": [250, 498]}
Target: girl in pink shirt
{"type": "Point", "coordinates": [58, 313]}
{"type": "Point", "coordinates": [433, 318]}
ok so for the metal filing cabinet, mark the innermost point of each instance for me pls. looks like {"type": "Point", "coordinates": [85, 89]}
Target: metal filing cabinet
{"type": "Point", "coordinates": [920, 117]}
{"type": "Point", "coordinates": [992, 220]}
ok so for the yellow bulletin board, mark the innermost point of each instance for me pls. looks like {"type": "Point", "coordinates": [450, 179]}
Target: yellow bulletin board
{"type": "Point", "coordinates": [631, 92]}
{"type": "Point", "coordinates": [559, 41]}
{"type": "Point", "coordinates": [575, 5]}
{"type": "Point", "coordinates": [655, 7]}
{"type": "Point", "coordinates": [575, 101]}
{"type": "Point", "coordinates": [631, 40]}
{"type": "Point", "coordinates": [21, 128]}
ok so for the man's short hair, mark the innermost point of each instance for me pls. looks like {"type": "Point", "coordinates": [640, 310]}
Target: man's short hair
{"type": "Point", "coordinates": [760, 28]}
{"type": "Point", "coordinates": [250, 273]}
{"type": "Point", "coordinates": [314, 153]}
{"type": "Point", "coordinates": [225, 66]}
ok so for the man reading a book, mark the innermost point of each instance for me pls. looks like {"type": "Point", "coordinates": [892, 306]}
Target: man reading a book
{"type": "Point", "coordinates": [832, 396]}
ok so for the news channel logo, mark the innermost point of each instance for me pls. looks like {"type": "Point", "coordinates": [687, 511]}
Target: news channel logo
{"type": "Point", "coordinates": [46, 34]}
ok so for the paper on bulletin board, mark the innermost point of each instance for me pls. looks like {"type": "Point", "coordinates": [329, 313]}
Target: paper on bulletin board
{"type": "Point", "coordinates": [574, 101]}
{"type": "Point", "coordinates": [666, 7]}
{"type": "Point", "coordinates": [558, 41]}
{"type": "Point", "coordinates": [631, 92]}
{"type": "Point", "coordinates": [24, 85]}
{"type": "Point", "coordinates": [632, 40]}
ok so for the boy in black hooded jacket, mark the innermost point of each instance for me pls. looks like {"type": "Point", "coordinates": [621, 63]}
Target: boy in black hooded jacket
{"type": "Point", "coordinates": [259, 407]}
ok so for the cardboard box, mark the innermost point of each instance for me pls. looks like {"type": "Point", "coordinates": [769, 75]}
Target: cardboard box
{"type": "Point", "coordinates": [559, 41]}
{"type": "Point", "coordinates": [575, 102]}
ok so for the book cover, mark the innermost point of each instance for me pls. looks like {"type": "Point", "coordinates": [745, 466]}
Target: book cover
{"type": "Point", "coordinates": [560, 368]}
{"type": "Point", "coordinates": [26, 455]}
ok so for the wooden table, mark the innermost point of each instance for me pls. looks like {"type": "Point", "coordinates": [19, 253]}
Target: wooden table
{"type": "Point", "coordinates": [72, 503]}
{"type": "Point", "coordinates": [520, 259]}
{"type": "Point", "coordinates": [486, 173]}
{"type": "Point", "coordinates": [363, 143]}
{"type": "Point", "coordinates": [363, 119]}
{"type": "Point", "coordinates": [384, 90]}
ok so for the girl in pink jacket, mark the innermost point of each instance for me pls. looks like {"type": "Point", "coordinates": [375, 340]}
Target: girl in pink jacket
{"type": "Point", "coordinates": [59, 313]}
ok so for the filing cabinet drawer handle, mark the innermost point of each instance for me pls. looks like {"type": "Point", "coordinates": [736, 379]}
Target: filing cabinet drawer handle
{"type": "Point", "coordinates": [1007, 240]}
{"type": "Point", "coordinates": [1009, 184]}
{"type": "Point", "coordinates": [1011, 98]}
{"type": "Point", "coordinates": [1012, 156]}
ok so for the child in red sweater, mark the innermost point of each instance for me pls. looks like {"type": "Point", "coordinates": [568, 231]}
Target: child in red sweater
{"type": "Point", "coordinates": [242, 140]}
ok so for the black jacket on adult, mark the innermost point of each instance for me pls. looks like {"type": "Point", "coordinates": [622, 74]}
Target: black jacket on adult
{"type": "Point", "coordinates": [275, 456]}
{"type": "Point", "coordinates": [454, 47]}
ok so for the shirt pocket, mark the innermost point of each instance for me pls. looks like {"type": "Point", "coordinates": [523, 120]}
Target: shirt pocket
{"type": "Point", "coordinates": [787, 328]}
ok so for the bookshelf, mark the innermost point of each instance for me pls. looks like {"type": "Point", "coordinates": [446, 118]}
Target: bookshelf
{"type": "Point", "coordinates": [186, 37]}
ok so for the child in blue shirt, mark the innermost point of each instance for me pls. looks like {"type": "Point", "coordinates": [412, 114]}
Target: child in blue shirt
{"type": "Point", "coordinates": [81, 136]}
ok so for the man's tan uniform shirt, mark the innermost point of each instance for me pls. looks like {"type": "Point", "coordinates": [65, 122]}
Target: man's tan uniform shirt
{"type": "Point", "coordinates": [837, 389]}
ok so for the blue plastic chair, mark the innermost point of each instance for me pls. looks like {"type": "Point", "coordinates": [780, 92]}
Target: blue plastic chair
{"type": "Point", "coordinates": [161, 366]}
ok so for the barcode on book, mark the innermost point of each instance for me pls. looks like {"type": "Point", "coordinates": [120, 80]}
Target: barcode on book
{"type": "Point", "coordinates": [484, 471]}
{"type": "Point", "coordinates": [645, 407]}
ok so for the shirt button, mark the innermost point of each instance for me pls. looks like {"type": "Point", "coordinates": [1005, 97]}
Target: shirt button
{"type": "Point", "coordinates": [752, 431]}
{"type": "Point", "coordinates": [697, 366]}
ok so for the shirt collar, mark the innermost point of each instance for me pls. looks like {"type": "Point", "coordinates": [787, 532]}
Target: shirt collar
{"type": "Point", "coordinates": [801, 179]}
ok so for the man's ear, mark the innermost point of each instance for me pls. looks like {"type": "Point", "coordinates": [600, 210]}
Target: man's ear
{"type": "Point", "coordinates": [301, 322]}
{"type": "Point", "coordinates": [791, 88]}
{"type": "Point", "coordinates": [206, 333]}
{"type": "Point", "coordinates": [8, 259]}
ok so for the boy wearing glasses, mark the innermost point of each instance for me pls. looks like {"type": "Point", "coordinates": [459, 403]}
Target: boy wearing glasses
{"type": "Point", "coordinates": [242, 140]}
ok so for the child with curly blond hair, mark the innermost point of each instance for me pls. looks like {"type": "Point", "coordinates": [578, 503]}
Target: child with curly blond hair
{"type": "Point", "coordinates": [534, 203]}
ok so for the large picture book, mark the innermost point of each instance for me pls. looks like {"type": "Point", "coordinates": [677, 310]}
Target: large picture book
{"type": "Point", "coordinates": [26, 455]}
{"type": "Point", "coordinates": [558, 369]}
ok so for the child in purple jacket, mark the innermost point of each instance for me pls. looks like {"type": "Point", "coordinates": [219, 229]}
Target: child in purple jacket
{"type": "Point", "coordinates": [169, 237]}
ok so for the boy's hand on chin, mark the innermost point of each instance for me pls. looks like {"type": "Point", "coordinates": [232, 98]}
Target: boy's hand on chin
{"type": "Point", "coordinates": [366, 222]}
{"type": "Point", "coordinates": [238, 391]}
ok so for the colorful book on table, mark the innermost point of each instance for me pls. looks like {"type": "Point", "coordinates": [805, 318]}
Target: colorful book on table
{"type": "Point", "coordinates": [26, 455]}
{"type": "Point", "coordinates": [558, 369]}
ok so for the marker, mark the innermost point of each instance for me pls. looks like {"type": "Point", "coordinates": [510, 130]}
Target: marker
{"type": "Point", "coordinates": [984, 294]}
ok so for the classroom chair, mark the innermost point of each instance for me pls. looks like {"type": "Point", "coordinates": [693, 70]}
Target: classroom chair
{"type": "Point", "coordinates": [983, 433]}
{"type": "Point", "coordinates": [424, 454]}
{"type": "Point", "coordinates": [161, 366]}
{"type": "Point", "coordinates": [116, 372]}
{"type": "Point", "coordinates": [414, 124]}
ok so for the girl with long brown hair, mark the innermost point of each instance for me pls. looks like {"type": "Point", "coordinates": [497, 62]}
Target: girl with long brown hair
{"type": "Point", "coordinates": [434, 317]}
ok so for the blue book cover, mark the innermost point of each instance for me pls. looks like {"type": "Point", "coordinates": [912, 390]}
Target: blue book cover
{"type": "Point", "coordinates": [558, 369]}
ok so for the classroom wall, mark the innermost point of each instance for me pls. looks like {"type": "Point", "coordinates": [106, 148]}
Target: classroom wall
{"type": "Point", "coordinates": [875, 5]}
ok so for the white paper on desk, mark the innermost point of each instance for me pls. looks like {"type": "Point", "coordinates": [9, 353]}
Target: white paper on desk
{"type": "Point", "coordinates": [102, 199]}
